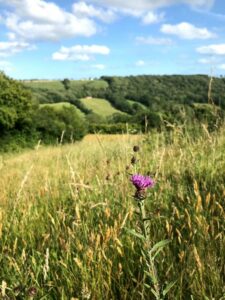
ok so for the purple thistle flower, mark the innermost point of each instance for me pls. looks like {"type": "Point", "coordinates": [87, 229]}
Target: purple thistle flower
{"type": "Point", "coordinates": [142, 182]}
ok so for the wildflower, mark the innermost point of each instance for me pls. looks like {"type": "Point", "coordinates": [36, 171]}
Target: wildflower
{"type": "Point", "coordinates": [142, 182]}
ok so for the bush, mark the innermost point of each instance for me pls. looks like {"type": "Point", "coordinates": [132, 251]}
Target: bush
{"type": "Point", "coordinates": [51, 124]}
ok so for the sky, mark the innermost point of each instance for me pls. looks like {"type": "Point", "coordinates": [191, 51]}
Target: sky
{"type": "Point", "coordinates": [41, 39]}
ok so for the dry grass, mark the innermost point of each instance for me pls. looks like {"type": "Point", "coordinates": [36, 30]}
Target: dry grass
{"type": "Point", "coordinates": [64, 212]}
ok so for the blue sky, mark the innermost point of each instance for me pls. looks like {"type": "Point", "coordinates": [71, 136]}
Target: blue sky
{"type": "Point", "coordinates": [81, 39]}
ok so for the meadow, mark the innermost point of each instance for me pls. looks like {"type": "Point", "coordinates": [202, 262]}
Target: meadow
{"type": "Point", "coordinates": [66, 213]}
{"type": "Point", "coordinates": [60, 105]}
{"type": "Point", "coordinates": [101, 107]}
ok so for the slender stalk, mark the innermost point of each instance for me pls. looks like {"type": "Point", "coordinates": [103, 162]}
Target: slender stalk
{"type": "Point", "coordinates": [141, 205]}
{"type": "Point", "coordinates": [151, 265]}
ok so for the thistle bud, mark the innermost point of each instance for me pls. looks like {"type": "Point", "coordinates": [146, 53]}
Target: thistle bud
{"type": "Point", "coordinates": [136, 148]}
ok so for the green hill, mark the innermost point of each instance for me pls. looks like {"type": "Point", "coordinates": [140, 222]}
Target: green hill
{"type": "Point", "coordinates": [74, 84]}
{"type": "Point", "coordinates": [100, 106]}
{"type": "Point", "coordinates": [58, 106]}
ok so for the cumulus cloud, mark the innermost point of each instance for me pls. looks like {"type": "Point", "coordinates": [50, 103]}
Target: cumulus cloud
{"type": "Point", "coordinates": [153, 41]}
{"type": "Point", "coordinates": [41, 20]}
{"type": "Point", "coordinates": [80, 52]}
{"type": "Point", "coordinates": [45, 20]}
{"type": "Point", "coordinates": [187, 31]}
{"type": "Point", "coordinates": [13, 47]}
{"type": "Point", "coordinates": [140, 63]}
{"type": "Point", "coordinates": [143, 5]}
{"type": "Point", "coordinates": [99, 66]}
{"type": "Point", "coordinates": [215, 49]}
{"type": "Point", "coordinates": [152, 17]}
{"type": "Point", "coordinates": [82, 9]}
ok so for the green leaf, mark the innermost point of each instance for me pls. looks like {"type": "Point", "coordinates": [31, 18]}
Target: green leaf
{"type": "Point", "coordinates": [159, 245]}
{"type": "Point", "coordinates": [133, 232]}
{"type": "Point", "coordinates": [147, 286]}
{"type": "Point", "coordinates": [168, 287]}
{"type": "Point", "coordinates": [155, 294]}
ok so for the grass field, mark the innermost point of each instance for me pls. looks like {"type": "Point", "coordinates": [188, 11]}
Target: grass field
{"type": "Point", "coordinates": [66, 212]}
{"type": "Point", "coordinates": [57, 84]}
{"type": "Point", "coordinates": [101, 107]}
{"type": "Point", "coordinates": [58, 106]}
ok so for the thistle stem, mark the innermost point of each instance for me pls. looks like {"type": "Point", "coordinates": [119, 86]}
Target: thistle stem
{"type": "Point", "coordinates": [143, 218]}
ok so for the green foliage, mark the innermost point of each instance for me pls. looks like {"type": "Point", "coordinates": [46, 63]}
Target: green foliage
{"type": "Point", "coordinates": [66, 83]}
{"type": "Point", "coordinates": [52, 124]}
{"type": "Point", "coordinates": [107, 128]}
{"type": "Point", "coordinates": [162, 101]}
{"type": "Point", "coordinates": [153, 91]}
{"type": "Point", "coordinates": [16, 105]}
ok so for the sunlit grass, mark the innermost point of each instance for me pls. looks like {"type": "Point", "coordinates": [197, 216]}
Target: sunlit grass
{"type": "Point", "coordinates": [64, 212]}
{"type": "Point", "coordinates": [58, 106]}
{"type": "Point", "coordinates": [101, 107]}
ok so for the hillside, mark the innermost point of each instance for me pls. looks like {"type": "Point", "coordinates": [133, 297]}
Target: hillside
{"type": "Point", "coordinates": [147, 90]}
{"type": "Point", "coordinates": [100, 107]}
{"type": "Point", "coordinates": [60, 105]}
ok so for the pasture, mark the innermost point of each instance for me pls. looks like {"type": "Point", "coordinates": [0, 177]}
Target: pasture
{"type": "Point", "coordinates": [101, 107]}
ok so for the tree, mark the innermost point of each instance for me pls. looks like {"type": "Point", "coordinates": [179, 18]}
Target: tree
{"type": "Point", "coordinates": [66, 83]}
{"type": "Point", "coordinates": [16, 105]}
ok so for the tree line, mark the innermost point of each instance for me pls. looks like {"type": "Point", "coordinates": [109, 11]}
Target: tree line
{"type": "Point", "coordinates": [146, 101]}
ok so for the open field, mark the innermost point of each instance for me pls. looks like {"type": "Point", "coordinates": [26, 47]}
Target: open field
{"type": "Point", "coordinates": [101, 107]}
{"type": "Point", "coordinates": [65, 211]}
{"type": "Point", "coordinates": [58, 106]}
{"type": "Point", "coordinates": [57, 84]}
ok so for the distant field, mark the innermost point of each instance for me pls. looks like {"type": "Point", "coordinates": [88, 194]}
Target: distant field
{"type": "Point", "coordinates": [58, 106]}
{"type": "Point", "coordinates": [54, 85]}
{"type": "Point", "coordinates": [57, 84]}
{"type": "Point", "coordinates": [100, 106]}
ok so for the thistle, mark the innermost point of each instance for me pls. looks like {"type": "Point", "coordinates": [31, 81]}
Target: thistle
{"type": "Point", "coordinates": [142, 183]}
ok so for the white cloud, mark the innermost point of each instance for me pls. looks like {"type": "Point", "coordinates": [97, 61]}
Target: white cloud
{"type": "Point", "coordinates": [13, 47]}
{"type": "Point", "coordinates": [45, 20]}
{"type": "Point", "coordinates": [146, 5]}
{"type": "Point", "coordinates": [99, 66]}
{"type": "Point", "coordinates": [187, 31]}
{"type": "Point", "coordinates": [146, 9]}
{"type": "Point", "coordinates": [41, 20]}
{"type": "Point", "coordinates": [222, 67]}
{"type": "Point", "coordinates": [81, 9]}
{"type": "Point", "coordinates": [140, 63]}
{"type": "Point", "coordinates": [216, 49]}
{"type": "Point", "coordinates": [208, 61]}
{"type": "Point", "coordinates": [151, 18]}
{"type": "Point", "coordinates": [153, 41]}
{"type": "Point", "coordinates": [78, 52]}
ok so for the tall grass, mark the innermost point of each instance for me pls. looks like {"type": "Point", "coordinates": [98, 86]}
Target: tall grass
{"type": "Point", "coordinates": [65, 211]}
